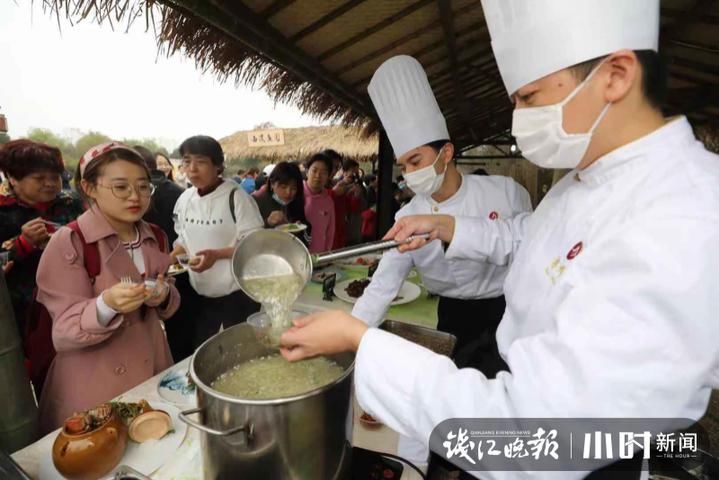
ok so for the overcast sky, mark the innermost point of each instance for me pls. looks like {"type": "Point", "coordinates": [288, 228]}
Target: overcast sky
{"type": "Point", "coordinates": [89, 77]}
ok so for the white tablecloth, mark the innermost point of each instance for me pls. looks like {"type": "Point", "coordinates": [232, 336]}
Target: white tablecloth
{"type": "Point", "coordinates": [187, 462]}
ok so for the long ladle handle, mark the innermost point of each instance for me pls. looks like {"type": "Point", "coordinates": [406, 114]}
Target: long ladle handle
{"type": "Point", "coordinates": [334, 255]}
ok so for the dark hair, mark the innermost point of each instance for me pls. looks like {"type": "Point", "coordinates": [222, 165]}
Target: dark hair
{"type": "Point", "coordinates": [20, 158]}
{"type": "Point", "coordinates": [349, 164]}
{"type": "Point", "coordinates": [240, 171]}
{"type": "Point", "coordinates": [147, 156]}
{"type": "Point", "coordinates": [253, 171]}
{"type": "Point", "coordinates": [319, 157]}
{"type": "Point", "coordinates": [97, 165]}
{"type": "Point", "coordinates": [333, 155]}
{"type": "Point", "coordinates": [480, 171]}
{"type": "Point", "coordinates": [171, 175]}
{"type": "Point", "coordinates": [260, 181]}
{"type": "Point", "coordinates": [654, 74]}
{"type": "Point", "coordinates": [205, 146]}
{"type": "Point", "coordinates": [284, 173]}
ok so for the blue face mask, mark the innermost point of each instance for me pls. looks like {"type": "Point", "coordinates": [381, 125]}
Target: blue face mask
{"type": "Point", "coordinates": [278, 199]}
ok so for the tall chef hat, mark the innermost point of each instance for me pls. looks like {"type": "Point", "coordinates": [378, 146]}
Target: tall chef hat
{"type": "Point", "coordinates": [533, 38]}
{"type": "Point", "coordinates": [406, 106]}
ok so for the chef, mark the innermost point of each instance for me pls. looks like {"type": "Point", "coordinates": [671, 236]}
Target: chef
{"type": "Point", "coordinates": [611, 296]}
{"type": "Point", "coordinates": [471, 303]}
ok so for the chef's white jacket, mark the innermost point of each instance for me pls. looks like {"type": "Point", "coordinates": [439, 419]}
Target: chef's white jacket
{"type": "Point", "coordinates": [490, 197]}
{"type": "Point", "coordinates": [611, 302]}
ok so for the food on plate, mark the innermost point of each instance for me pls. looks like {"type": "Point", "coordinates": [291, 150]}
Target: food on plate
{"type": "Point", "coordinates": [356, 288]}
{"type": "Point", "coordinates": [272, 376]}
{"type": "Point", "coordinates": [175, 269]}
{"type": "Point", "coordinates": [291, 227]}
{"type": "Point", "coordinates": [90, 444]}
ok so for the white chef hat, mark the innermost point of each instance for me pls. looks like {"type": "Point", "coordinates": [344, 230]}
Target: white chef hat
{"type": "Point", "coordinates": [533, 38]}
{"type": "Point", "coordinates": [406, 106]}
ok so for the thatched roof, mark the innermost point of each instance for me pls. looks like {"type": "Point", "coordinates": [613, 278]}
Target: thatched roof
{"type": "Point", "coordinates": [303, 142]}
{"type": "Point", "coordinates": [320, 55]}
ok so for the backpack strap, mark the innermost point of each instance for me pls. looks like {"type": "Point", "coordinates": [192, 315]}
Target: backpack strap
{"type": "Point", "coordinates": [232, 205]}
{"type": "Point", "coordinates": [160, 236]}
{"type": "Point", "coordinates": [90, 252]}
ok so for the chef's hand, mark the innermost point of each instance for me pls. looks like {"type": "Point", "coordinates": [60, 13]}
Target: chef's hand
{"type": "Point", "coordinates": [35, 232]}
{"type": "Point", "coordinates": [323, 333]}
{"type": "Point", "coordinates": [159, 293]}
{"type": "Point", "coordinates": [276, 218]}
{"type": "Point", "coordinates": [437, 226]}
{"type": "Point", "coordinates": [123, 297]}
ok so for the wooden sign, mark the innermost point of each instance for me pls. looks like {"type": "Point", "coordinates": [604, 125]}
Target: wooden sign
{"type": "Point", "coordinates": [266, 138]}
{"type": "Point", "coordinates": [3, 124]}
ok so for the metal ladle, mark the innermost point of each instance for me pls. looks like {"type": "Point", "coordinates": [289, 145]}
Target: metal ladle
{"type": "Point", "coordinates": [269, 253]}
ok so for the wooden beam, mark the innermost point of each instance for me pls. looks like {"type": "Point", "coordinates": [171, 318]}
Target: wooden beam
{"type": "Point", "coordinates": [683, 21]}
{"type": "Point", "coordinates": [385, 162]}
{"type": "Point", "coordinates": [706, 18]}
{"type": "Point", "coordinates": [470, 31]}
{"type": "Point", "coordinates": [239, 22]}
{"type": "Point", "coordinates": [275, 8]}
{"type": "Point", "coordinates": [409, 37]}
{"type": "Point", "coordinates": [446, 16]}
{"type": "Point", "coordinates": [373, 29]}
{"type": "Point", "coordinates": [330, 17]}
{"type": "Point", "coordinates": [699, 67]}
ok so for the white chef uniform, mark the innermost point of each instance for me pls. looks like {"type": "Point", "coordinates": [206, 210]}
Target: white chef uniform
{"type": "Point", "coordinates": [410, 115]}
{"type": "Point", "coordinates": [491, 197]}
{"type": "Point", "coordinates": [611, 297]}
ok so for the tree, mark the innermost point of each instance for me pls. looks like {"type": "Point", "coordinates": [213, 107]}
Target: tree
{"type": "Point", "coordinates": [89, 140]}
{"type": "Point", "coordinates": [4, 138]}
{"type": "Point", "coordinates": [49, 137]}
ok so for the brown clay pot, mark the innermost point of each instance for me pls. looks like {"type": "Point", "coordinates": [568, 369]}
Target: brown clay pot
{"type": "Point", "coordinates": [90, 455]}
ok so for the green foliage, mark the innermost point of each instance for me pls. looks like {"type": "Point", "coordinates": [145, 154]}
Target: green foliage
{"type": "Point", "coordinates": [4, 138]}
{"type": "Point", "coordinates": [72, 151]}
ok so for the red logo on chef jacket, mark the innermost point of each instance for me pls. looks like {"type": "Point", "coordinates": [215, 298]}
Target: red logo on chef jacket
{"type": "Point", "coordinates": [493, 216]}
{"type": "Point", "coordinates": [576, 250]}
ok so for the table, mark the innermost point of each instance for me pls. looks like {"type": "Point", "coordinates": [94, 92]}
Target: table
{"type": "Point", "coordinates": [187, 463]}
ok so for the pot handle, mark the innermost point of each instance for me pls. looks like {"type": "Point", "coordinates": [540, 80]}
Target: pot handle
{"type": "Point", "coordinates": [248, 428]}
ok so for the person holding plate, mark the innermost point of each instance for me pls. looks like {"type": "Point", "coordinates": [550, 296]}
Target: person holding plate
{"type": "Point", "coordinates": [282, 201]}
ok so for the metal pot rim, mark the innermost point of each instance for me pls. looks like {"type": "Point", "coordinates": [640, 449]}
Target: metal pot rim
{"type": "Point", "coordinates": [273, 401]}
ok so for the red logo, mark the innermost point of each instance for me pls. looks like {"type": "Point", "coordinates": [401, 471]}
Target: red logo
{"type": "Point", "coordinates": [493, 216]}
{"type": "Point", "coordinates": [576, 250]}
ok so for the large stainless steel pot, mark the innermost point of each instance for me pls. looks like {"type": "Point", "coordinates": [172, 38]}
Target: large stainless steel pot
{"type": "Point", "coordinates": [302, 437]}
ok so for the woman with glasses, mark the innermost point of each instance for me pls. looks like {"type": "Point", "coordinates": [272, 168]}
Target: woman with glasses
{"type": "Point", "coordinates": [32, 206]}
{"type": "Point", "coordinates": [106, 323]}
{"type": "Point", "coordinates": [210, 218]}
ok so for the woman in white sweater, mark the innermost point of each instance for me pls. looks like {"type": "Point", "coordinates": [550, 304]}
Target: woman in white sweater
{"type": "Point", "coordinates": [210, 218]}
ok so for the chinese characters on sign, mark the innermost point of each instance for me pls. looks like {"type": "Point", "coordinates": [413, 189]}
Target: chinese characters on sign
{"type": "Point", "coordinates": [560, 444]}
{"type": "Point", "coordinates": [266, 138]}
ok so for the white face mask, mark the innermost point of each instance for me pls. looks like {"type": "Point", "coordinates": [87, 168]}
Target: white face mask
{"type": "Point", "coordinates": [426, 181]}
{"type": "Point", "coordinates": [541, 137]}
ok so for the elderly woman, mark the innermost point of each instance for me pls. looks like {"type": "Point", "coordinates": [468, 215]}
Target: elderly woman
{"type": "Point", "coordinates": [32, 206]}
{"type": "Point", "coordinates": [282, 200]}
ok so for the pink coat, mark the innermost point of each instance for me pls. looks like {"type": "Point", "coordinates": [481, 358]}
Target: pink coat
{"type": "Point", "coordinates": [320, 212]}
{"type": "Point", "coordinates": [96, 363]}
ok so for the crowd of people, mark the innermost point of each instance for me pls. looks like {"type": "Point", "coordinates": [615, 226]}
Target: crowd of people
{"type": "Point", "coordinates": [76, 255]}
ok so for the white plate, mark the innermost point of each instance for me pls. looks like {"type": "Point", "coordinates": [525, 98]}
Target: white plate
{"type": "Point", "coordinates": [175, 387]}
{"type": "Point", "coordinates": [144, 457]}
{"type": "Point", "coordinates": [340, 274]}
{"type": "Point", "coordinates": [292, 227]}
{"type": "Point", "coordinates": [408, 293]}
{"type": "Point", "coordinates": [176, 269]}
